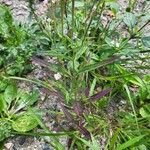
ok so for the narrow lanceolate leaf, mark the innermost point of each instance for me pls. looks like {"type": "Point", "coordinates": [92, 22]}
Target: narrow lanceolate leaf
{"type": "Point", "coordinates": [92, 87]}
{"type": "Point", "coordinates": [27, 100]}
{"type": "Point", "coordinates": [130, 143]}
{"type": "Point", "coordinates": [51, 66]}
{"type": "Point", "coordinates": [98, 65]}
{"type": "Point", "coordinates": [114, 139]}
{"type": "Point", "coordinates": [100, 94]}
{"type": "Point", "coordinates": [80, 53]}
{"type": "Point", "coordinates": [33, 98]}
{"type": "Point", "coordinates": [56, 53]}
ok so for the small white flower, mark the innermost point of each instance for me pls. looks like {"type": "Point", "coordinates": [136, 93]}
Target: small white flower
{"type": "Point", "coordinates": [57, 76]}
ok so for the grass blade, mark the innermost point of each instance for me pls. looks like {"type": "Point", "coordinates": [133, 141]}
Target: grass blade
{"type": "Point", "coordinates": [97, 65]}
{"type": "Point", "coordinates": [130, 143]}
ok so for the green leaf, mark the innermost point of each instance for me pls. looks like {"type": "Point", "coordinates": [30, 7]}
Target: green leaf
{"type": "Point", "coordinates": [4, 11]}
{"type": "Point", "coordinates": [51, 66]}
{"type": "Point", "coordinates": [29, 99]}
{"type": "Point", "coordinates": [5, 128]}
{"type": "Point", "coordinates": [130, 20]}
{"type": "Point", "coordinates": [114, 7]}
{"type": "Point", "coordinates": [92, 87]}
{"type": "Point", "coordinates": [2, 103]}
{"type": "Point", "coordinates": [3, 85]}
{"type": "Point", "coordinates": [5, 20]}
{"type": "Point", "coordinates": [57, 53]}
{"type": "Point", "coordinates": [135, 80]}
{"type": "Point", "coordinates": [73, 65]}
{"type": "Point", "coordinates": [80, 52]}
{"type": "Point", "coordinates": [146, 41]}
{"type": "Point", "coordinates": [25, 100]}
{"type": "Point", "coordinates": [10, 93]}
{"type": "Point", "coordinates": [130, 143]}
{"type": "Point", "coordinates": [15, 69]}
{"type": "Point", "coordinates": [147, 78]}
{"type": "Point", "coordinates": [144, 92]}
{"type": "Point", "coordinates": [142, 147]}
{"type": "Point", "coordinates": [114, 139]}
{"type": "Point", "coordinates": [145, 111]}
{"type": "Point", "coordinates": [25, 123]}
{"type": "Point", "coordinates": [93, 144]}
{"type": "Point", "coordinates": [97, 65]}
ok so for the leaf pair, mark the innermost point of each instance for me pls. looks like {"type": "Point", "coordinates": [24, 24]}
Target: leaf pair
{"type": "Point", "coordinates": [12, 101]}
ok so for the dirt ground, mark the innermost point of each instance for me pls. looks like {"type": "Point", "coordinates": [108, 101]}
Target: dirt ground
{"type": "Point", "coordinates": [21, 13]}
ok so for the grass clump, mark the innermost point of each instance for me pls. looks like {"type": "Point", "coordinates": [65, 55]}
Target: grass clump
{"type": "Point", "coordinates": [99, 51]}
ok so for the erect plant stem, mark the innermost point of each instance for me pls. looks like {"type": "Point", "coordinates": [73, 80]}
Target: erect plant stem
{"type": "Point", "coordinates": [90, 17]}
{"type": "Point", "coordinates": [73, 13]}
{"type": "Point", "coordinates": [144, 25]}
{"type": "Point", "coordinates": [62, 15]}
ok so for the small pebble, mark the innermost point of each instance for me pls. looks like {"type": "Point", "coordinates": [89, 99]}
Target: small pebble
{"type": "Point", "coordinates": [8, 146]}
{"type": "Point", "coordinates": [57, 76]}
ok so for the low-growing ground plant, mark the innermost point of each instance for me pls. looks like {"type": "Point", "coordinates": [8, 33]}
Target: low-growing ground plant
{"type": "Point", "coordinates": [15, 110]}
{"type": "Point", "coordinates": [99, 66]}
{"type": "Point", "coordinates": [18, 42]}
